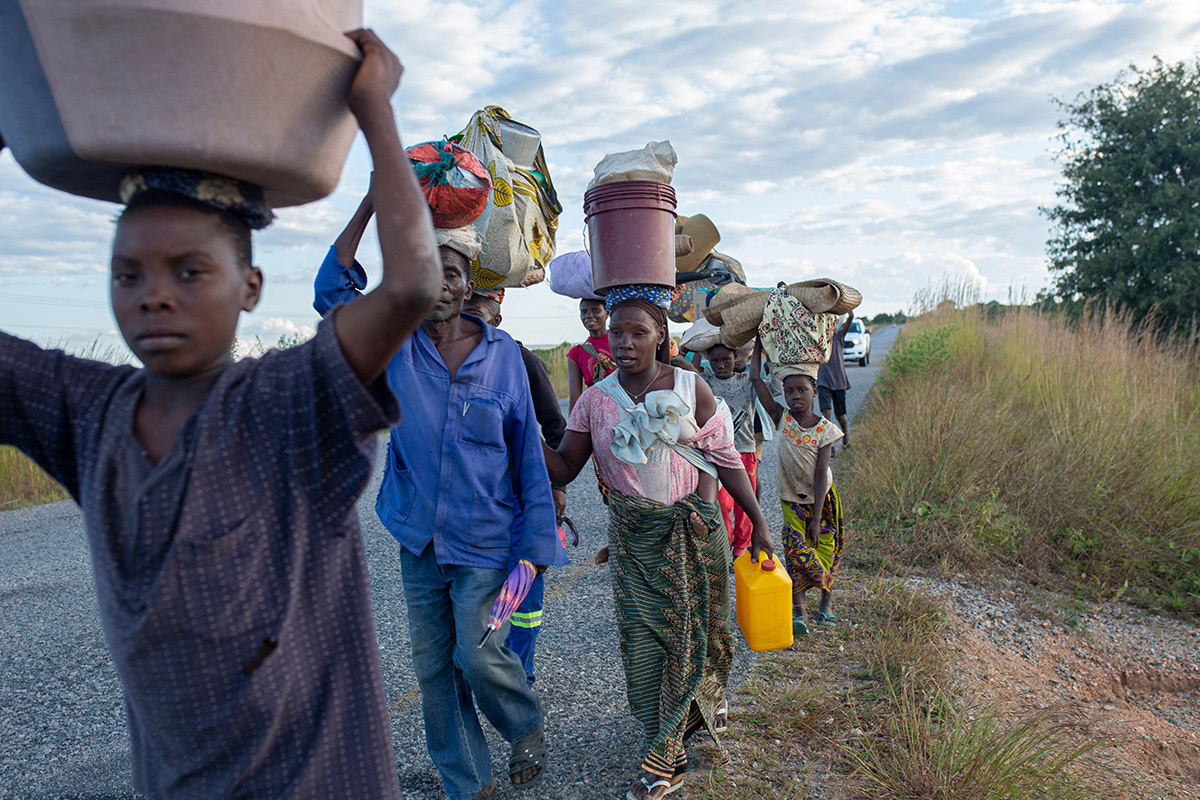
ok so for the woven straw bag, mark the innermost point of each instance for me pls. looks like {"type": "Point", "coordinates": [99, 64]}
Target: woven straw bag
{"type": "Point", "coordinates": [727, 296]}
{"type": "Point", "coordinates": [745, 315]}
{"type": "Point", "coordinates": [825, 296]}
{"type": "Point", "coordinates": [738, 340]}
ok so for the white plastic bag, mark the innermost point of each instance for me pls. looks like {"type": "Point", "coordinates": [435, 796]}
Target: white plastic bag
{"type": "Point", "coordinates": [701, 336]}
{"type": "Point", "coordinates": [654, 162]}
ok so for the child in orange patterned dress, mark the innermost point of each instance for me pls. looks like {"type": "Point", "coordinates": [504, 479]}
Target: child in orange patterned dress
{"type": "Point", "coordinates": [812, 535]}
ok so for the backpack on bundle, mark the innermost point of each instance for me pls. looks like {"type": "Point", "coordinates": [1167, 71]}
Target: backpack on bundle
{"type": "Point", "coordinates": [519, 226]}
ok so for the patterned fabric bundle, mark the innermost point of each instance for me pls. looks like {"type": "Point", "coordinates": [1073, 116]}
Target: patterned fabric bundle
{"type": "Point", "coordinates": [520, 225]}
{"type": "Point", "coordinates": [791, 334]}
{"type": "Point", "coordinates": [672, 595]}
{"type": "Point", "coordinates": [813, 566]}
{"type": "Point", "coordinates": [243, 200]}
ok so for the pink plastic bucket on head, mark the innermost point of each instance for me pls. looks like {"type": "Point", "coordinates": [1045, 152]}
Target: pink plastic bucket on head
{"type": "Point", "coordinates": [631, 232]}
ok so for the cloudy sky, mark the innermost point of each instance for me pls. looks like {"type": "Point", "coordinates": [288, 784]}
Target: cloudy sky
{"type": "Point", "coordinates": [888, 144]}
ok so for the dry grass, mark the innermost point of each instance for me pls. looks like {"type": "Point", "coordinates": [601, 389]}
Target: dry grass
{"type": "Point", "coordinates": [22, 483]}
{"type": "Point", "coordinates": [869, 711]}
{"type": "Point", "coordinates": [1057, 449]}
{"type": "Point", "coordinates": [555, 359]}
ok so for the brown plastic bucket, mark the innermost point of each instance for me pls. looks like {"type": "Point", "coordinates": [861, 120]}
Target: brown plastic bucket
{"type": "Point", "coordinates": [631, 233]}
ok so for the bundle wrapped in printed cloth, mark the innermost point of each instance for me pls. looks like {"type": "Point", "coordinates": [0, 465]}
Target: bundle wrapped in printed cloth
{"type": "Point", "coordinates": [520, 223]}
{"type": "Point", "coordinates": [795, 322]}
{"type": "Point", "coordinates": [254, 91]}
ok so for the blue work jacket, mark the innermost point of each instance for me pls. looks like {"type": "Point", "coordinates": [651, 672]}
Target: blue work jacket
{"type": "Point", "coordinates": [464, 467]}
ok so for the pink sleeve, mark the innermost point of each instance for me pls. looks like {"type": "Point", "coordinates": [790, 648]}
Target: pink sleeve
{"type": "Point", "coordinates": [581, 415]}
{"type": "Point", "coordinates": [715, 440]}
{"type": "Point", "coordinates": [574, 354]}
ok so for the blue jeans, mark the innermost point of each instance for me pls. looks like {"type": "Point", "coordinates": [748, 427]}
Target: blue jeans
{"type": "Point", "coordinates": [447, 615]}
{"type": "Point", "coordinates": [526, 623]}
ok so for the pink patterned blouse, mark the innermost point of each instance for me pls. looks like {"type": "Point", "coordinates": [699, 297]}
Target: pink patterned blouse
{"type": "Point", "coordinates": [667, 477]}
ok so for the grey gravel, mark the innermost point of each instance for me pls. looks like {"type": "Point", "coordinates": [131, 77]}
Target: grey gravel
{"type": "Point", "coordinates": [63, 732]}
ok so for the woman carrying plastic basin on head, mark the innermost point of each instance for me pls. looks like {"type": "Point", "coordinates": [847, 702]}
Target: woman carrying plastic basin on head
{"type": "Point", "coordinates": [656, 432]}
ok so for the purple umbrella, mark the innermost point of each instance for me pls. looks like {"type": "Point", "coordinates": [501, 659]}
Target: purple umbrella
{"type": "Point", "coordinates": [515, 587]}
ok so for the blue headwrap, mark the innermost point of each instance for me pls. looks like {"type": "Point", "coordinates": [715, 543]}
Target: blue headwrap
{"type": "Point", "coordinates": [652, 293]}
{"type": "Point", "coordinates": [650, 298]}
{"type": "Point", "coordinates": [243, 200]}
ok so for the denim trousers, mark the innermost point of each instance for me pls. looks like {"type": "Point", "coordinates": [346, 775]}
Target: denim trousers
{"type": "Point", "coordinates": [526, 624]}
{"type": "Point", "coordinates": [447, 615]}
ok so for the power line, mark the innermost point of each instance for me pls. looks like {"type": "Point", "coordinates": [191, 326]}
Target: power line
{"type": "Point", "coordinates": [38, 299]}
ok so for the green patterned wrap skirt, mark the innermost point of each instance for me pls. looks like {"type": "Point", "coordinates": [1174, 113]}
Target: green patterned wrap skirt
{"type": "Point", "coordinates": [672, 596]}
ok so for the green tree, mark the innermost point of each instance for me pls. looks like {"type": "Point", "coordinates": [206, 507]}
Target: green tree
{"type": "Point", "coordinates": [1128, 224]}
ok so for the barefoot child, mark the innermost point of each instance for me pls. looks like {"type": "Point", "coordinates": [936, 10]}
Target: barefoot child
{"type": "Point", "coordinates": [812, 511]}
{"type": "Point", "coordinates": [218, 497]}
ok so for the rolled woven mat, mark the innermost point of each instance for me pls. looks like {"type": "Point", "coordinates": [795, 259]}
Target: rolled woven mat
{"type": "Point", "coordinates": [683, 245]}
{"type": "Point", "coordinates": [738, 340]}
{"type": "Point", "coordinates": [728, 295]}
{"type": "Point", "coordinates": [825, 296]}
{"type": "Point", "coordinates": [850, 300]}
{"type": "Point", "coordinates": [744, 316]}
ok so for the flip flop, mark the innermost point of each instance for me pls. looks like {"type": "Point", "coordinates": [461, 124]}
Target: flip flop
{"type": "Point", "coordinates": [643, 789]}
{"type": "Point", "coordinates": [799, 626]}
{"type": "Point", "coordinates": [828, 620]}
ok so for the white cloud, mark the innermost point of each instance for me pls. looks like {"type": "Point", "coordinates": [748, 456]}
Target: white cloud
{"type": "Point", "coordinates": [823, 138]}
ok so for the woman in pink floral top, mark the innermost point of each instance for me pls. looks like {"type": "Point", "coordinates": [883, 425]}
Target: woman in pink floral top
{"type": "Point", "coordinates": [655, 431]}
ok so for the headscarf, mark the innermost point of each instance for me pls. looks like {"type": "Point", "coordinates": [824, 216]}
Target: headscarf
{"type": "Point", "coordinates": [650, 298]}
{"type": "Point", "coordinates": [464, 240]}
{"type": "Point", "coordinates": [243, 200]}
{"type": "Point", "coordinates": [785, 371]}
{"type": "Point", "coordinates": [492, 294]}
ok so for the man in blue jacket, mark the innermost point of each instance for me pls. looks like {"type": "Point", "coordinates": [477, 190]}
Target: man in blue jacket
{"type": "Point", "coordinates": [465, 458]}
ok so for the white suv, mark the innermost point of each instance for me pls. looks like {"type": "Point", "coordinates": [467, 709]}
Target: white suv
{"type": "Point", "coordinates": [858, 344]}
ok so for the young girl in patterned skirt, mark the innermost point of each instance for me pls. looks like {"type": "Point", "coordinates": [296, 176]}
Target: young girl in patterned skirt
{"type": "Point", "coordinates": [812, 533]}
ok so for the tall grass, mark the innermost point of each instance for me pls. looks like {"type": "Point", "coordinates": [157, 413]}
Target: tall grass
{"type": "Point", "coordinates": [1057, 448]}
{"type": "Point", "coordinates": [555, 359]}
{"type": "Point", "coordinates": [22, 483]}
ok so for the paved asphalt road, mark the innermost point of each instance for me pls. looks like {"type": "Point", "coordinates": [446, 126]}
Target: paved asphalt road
{"type": "Point", "coordinates": [62, 724]}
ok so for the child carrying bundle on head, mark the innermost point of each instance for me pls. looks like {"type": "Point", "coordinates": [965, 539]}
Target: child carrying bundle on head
{"type": "Point", "coordinates": [812, 510]}
{"type": "Point", "coordinates": [218, 496]}
{"type": "Point", "coordinates": [738, 393]}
